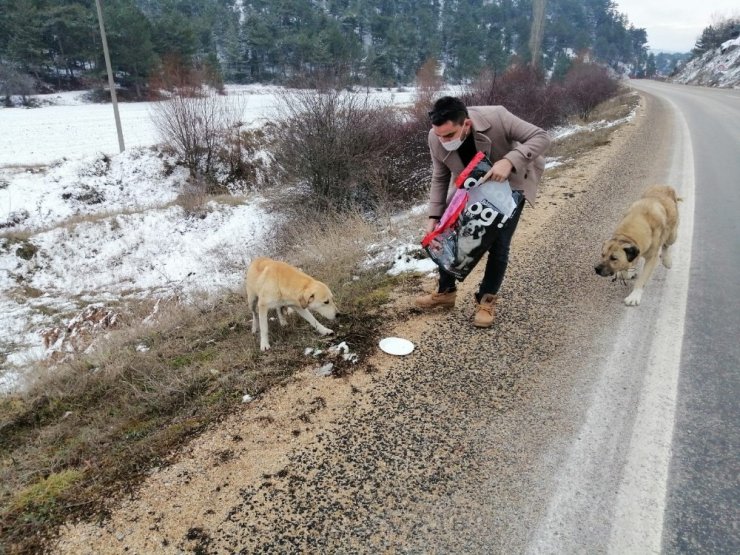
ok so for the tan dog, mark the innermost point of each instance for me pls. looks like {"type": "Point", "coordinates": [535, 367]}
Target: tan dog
{"type": "Point", "coordinates": [273, 284]}
{"type": "Point", "coordinates": [648, 229]}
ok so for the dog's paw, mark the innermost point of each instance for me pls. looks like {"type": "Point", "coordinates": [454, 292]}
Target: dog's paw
{"type": "Point", "coordinates": [634, 298]}
{"type": "Point", "coordinates": [264, 346]}
{"type": "Point", "coordinates": [326, 331]}
{"type": "Point", "coordinates": [283, 312]}
{"type": "Point", "coordinates": [667, 260]}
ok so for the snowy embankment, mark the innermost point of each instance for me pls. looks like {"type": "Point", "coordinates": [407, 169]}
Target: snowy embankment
{"type": "Point", "coordinates": [92, 232]}
{"type": "Point", "coordinates": [82, 226]}
{"type": "Point", "coordinates": [66, 126]}
{"type": "Point", "coordinates": [719, 67]}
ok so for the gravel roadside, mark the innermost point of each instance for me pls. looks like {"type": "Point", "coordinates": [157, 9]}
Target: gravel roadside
{"type": "Point", "coordinates": [447, 450]}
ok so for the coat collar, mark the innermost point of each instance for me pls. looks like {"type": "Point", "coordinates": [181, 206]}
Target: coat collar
{"type": "Point", "coordinates": [480, 123]}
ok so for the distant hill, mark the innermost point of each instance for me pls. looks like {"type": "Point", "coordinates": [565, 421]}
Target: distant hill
{"type": "Point", "coordinates": [715, 60]}
{"type": "Point", "coordinates": [667, 63]}
{"type": "Point", "coordinates": [718, 67]}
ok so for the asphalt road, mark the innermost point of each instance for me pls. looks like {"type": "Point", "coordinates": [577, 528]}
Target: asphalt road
{"type": "Point", "coordinates": [575, 425]}
{"type": "Point", "coordinates": [654, 466]}
{"type": "Point", "coordinates": [703, 502]}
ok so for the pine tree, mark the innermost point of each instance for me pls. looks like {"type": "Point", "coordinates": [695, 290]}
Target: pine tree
{"type": "Point", "coordinates": [24, 47]}
{"type": "Point", "coordinates": [130, 43]}
{"type": "Point", "coordinates": [68, 33]}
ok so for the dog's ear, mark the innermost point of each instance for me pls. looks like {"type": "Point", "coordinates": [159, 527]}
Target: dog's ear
{"type": "Point", "coordinates": [632, 251]}
{"type": "Point", "coordinates": [305, 300]}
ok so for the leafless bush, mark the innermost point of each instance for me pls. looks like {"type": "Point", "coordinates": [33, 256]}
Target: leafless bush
{"type": "Point", "coordinates": [346, 149]}
{"type": "Point", "coordinates": [428, 84]}
{"type": "Point", "coordinates": [523, 91]}
{"type": "Point", "coordinates": [14, 83]}
{"type": "Point", "coordinates": [242, 164]}
{"type": "Point", "coordinates": [174, 75]}
{"type": "Point", "coordinates": [197, 126]}
{"type": "Point", "coordinates": [586, 86]}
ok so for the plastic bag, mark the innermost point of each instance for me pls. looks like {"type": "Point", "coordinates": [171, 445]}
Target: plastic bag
{"type": "Point", "coordinates": [472, 220]}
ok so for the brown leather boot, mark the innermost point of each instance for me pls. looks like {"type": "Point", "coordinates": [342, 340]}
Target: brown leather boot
{"type": "Point", "coordinates": [485, 311]}
{"type": "Point", "coordinates": [434, 300]}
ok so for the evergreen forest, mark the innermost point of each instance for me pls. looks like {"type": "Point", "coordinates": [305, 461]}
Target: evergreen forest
{"type": "Point", "coordinates": [369, 42]}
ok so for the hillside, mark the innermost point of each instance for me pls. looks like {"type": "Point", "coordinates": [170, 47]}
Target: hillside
{"type": "Point", "coordinates": [717, 67]}
{"type": "Point", "coordinates": [52, 45]}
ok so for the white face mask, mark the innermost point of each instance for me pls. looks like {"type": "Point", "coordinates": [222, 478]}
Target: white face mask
{"type": "Point", "coordinates": [454, 144]}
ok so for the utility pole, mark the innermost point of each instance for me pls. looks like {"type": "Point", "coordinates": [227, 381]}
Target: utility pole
{"type": "Point", "coordinates": [537, 31]}
{"type": "Point", "coordinates": [111, 83]}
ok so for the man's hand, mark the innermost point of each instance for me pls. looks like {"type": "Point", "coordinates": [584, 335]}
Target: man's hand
{"type": "Point", "coordinates": [431, 224]}
{"type": "Point", "coordinates": [499, 172]}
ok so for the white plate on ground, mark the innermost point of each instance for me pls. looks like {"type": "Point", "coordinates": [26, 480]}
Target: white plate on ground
{"type": "Point", "coordinates": [396, 346]}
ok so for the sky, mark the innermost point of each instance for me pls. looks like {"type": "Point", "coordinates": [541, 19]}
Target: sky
{"type": "Point", "coordinates": [674, 26]}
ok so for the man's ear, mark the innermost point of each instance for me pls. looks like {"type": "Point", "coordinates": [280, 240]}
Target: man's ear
{"type": "Point", "coordinates": [631, 252]}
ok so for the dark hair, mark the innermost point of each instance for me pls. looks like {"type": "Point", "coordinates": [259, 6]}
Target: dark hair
{"type": "Point", "coordinates": [448, 108]}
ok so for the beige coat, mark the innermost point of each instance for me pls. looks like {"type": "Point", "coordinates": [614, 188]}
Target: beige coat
{"type": "Point", "coordinates": [499, 134]}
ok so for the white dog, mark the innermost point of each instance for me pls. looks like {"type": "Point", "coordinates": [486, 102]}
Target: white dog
{"type": "Point", "coordinates": [647, 230]}
{"type": "Point", "coordinates": [273, 284]}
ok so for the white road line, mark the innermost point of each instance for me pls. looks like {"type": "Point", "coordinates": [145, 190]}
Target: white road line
{"type": "Point", "coordinates": [640, 505]}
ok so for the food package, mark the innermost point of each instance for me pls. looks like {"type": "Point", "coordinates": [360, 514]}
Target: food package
{"type": "Point", "coordinates": [473, 218]}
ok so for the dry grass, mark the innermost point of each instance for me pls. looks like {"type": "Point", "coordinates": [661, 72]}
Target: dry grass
{"type": "Point", "coordinates": [13, 237]}
{"type": "Point", "coordinates": [73, 221]}
{"type": "Point", "coordinates": [194, 197]}
{"type": "Point", "coordinates": [616, 108]}
{"type": "Point", "coordinates": [570, 147]}
{"type": "Point", "coordinates": [89, 427]}
{"type": "Point", "coordinates": [229, 200]}
{"type": "Point", "coordinates": [325, 242]}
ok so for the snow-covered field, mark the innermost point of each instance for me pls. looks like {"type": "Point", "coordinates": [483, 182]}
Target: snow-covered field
{"type": "Point", "coordinates": [66, 126]}
{"type": "Point", "coordinates": [81, 225]}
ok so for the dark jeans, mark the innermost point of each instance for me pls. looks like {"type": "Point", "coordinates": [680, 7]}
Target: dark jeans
{"type": "Point", "coordinates": [498, 260]}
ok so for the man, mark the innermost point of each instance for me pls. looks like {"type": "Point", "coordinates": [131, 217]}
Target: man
{"type": "Point", "coordinates": [515, 147]}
